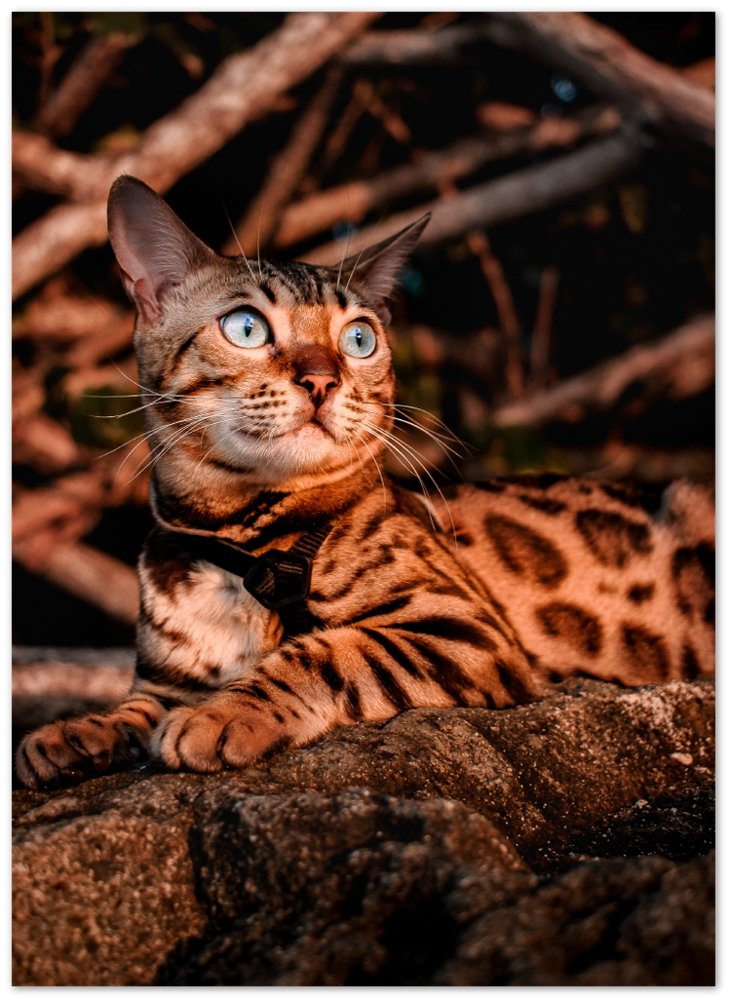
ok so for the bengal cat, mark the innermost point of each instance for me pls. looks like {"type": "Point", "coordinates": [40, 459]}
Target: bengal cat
{"type": "Point", "coordinates": [269, 396]}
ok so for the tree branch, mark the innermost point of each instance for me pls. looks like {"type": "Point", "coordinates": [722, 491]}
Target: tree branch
{"type": "Point", "coordinates": [352, 202]}
{"type": "Point", "coordinates": [244, 87]}
{"type": "Point", "coordinates": [410, 47]}
{"type": "Point", "coordinates": [679, 365]}
{"type": "Point", "coordinates": [42, 166]}
{"type": "Point", "coordinates": [92, 68]}
{"type": "Point", "coordinates": [612, 67]}
{"type": "Point", "coordinates": [573, 42]}
{"type": "Point", "coordinates": [85, 572]}
{"type": "Point", "coordinates": [262, 217]}
{"type": "Point", "coordinates": [510, 197]}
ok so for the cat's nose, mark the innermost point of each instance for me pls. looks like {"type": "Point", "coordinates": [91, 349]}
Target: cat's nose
{"type": "Point", "coordinates": [318, 384]}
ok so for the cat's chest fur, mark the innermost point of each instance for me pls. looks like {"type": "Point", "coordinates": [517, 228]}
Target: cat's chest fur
{"type": "Point", "coordinates": [198, 618]}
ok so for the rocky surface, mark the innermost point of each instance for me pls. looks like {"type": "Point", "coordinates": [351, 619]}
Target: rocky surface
{"type": "Point", "coordinates": [567, 842]}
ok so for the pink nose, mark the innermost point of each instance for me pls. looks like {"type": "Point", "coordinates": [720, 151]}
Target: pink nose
{"type": "Point", "coordinates": [318, 385]}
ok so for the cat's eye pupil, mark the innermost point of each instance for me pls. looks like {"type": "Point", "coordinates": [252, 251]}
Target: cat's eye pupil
{"type": "Point", "coordinates": [245, 328]}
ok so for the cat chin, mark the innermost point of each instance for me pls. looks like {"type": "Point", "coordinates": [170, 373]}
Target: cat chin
{"type": "Point", "coordinates": [305, 452]}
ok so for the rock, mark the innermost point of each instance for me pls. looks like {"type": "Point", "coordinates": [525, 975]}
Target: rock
{"type": "Point", "coordinates": [566, 842]}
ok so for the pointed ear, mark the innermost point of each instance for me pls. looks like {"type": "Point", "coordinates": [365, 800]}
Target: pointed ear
{"type": "Point", "coordinates": [374, 271]}
{"type": "Point", "coordinates": [155, 250]}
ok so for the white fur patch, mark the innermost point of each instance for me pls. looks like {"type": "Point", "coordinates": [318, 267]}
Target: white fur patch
{"type": "Point", "coordinates": [223, 625]}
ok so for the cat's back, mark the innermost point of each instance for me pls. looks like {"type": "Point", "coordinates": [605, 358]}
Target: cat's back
{"type": "Point", "coordinates": [598, 578]}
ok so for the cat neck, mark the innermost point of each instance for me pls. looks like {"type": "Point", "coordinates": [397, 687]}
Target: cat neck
{"type": "Point", "coordinates": [256, 515]}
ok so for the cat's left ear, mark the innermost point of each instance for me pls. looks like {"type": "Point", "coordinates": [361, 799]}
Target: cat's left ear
{"type": "Point", "coordinates": [374, 271]}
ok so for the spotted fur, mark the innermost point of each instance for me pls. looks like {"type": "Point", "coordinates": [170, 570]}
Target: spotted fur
{"type": "Point", "coordinates": [482, 598]}
{"type": "Point", "coordinates": [597, 582]}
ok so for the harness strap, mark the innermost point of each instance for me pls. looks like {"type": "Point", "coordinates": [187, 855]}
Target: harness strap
{"type": "Point", "coordinates": [279, 580]}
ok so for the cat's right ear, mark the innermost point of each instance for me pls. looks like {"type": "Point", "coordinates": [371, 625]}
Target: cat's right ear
{"type": "Point", "coordinates": [155, 250]}
{"type": "Point", "coordinates": [375, 269]}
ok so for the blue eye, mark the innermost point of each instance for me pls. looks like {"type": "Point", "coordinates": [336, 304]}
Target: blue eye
{"type": "Point", "coordinates": [358, 339]}
{"type": "Point", "coordinates": [245, 328]}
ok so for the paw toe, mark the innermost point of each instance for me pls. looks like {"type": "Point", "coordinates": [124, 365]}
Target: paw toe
{"type": "Point", "coordinates": [92, 738]}
{"type": "Point", "coordinates": [45, 756]}
{"type": "Point", "coordinates": [188, 740]}
{"type": "Point", "coordinates": [245, 739]}
{"type": "Point", "coordinates": [210, 740]}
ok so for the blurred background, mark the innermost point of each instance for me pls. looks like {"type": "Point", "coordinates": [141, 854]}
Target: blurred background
{"type": "Point", "coordinates": [557, 316]}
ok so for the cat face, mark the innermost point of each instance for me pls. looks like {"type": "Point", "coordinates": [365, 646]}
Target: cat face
{"type": "Point", "coordinates": [267, 371]}
{"type": "Point", "coordinates": [279, 378]}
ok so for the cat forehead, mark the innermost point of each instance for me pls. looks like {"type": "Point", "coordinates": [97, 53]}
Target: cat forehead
{"type": "Point", "coordinates": [297, 284]}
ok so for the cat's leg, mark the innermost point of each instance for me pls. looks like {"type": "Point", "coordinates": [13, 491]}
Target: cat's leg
{"type": "Point", "coordinates": [70, 749]}
{"type": "Point", "coordinates": [336, 677]}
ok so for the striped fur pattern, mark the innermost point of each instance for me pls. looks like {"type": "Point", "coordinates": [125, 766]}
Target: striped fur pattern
{"type": "Point", "coordinates": [259, 435]}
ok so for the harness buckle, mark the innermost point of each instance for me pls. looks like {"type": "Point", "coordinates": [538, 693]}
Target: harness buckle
{"type": "Point", "coordinates": [278, 578]}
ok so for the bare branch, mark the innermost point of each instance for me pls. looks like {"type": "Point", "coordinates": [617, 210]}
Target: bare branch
{"type": "Point", "coordinates": [262, 217]}
{"type": "Point", "coordinates": [86, 572]}
{"type": "Point", "coordinates": [628, 461]}
{"type": "Point", "coordinates": [510, 197]}
{"type": "Point", "coordinates": [416, 47]}
{"type": "Point", "coordinates": [352, 202]}
{"type": "Point", "coordinates": [244, 87]}
{"type": "Point", "coordinates": [42, 166]}
{"type": "Point", "coordinates": [541, 333]}
{"type": "Point", "coordinates": [50, 508]}
{"type": "Point", "coordinates": [46, 245]}
{"type": "Point", "coordinates": [573, 42]}
{"type": "Point", "coordinates": [40, 442]}
{"type": "Point", "coordinates": [509, 323]}
{"type": "Point", "coordinates": [612, 67]}
{"type": "Point", "coordinates": [678, 366]}
{"type": "Point", "coordinates": [49, 682]}
{"type": "Point", "coordinates": [59, 313]}
{"type": "Point", "coordinates": [92, 68]}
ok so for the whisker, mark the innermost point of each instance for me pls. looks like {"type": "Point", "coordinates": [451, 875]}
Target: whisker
{"type": "Point", "coordinates": [114, 395]}
{"type": "Point", "coordinates": [127, 457]}
{"type": "Point", "coordinates": [409, 455]}
{"type": "Point", "coordinates": [137, 437]}
{"type": "Point", "coordinates": [258, 247]}
{"type": "Point", "coordinates": [347, 242]}
{"type": "Point", "coordinates": [378, 432]}
{"type": "Point", "coordinates": [144, 388]}
{"type": "Point", "coordinates": [447, 432]}
{"type": "Point", "coordinates": [437, 439]}
{"type": "Point", "coordinates": [351, 273]}
{"type": "Point", "coordinates": [440, 439]}
{"type": "Point", "coordinates": [141, 439]}
{"type": "Point", "coordinates": [434, 436]}
{"type": "Point", "coordinates": [217, 423]}
{"type": "Point", "coordinates": [235, 237]}
{"type": "Point", "coordinates": [179, 435]}
{"type": "Point", "coordinates": [141, 436]}
{"type": "Point", "coordinates": [377, 466]}
{"type": "Point", "coordinates": [127, 413]}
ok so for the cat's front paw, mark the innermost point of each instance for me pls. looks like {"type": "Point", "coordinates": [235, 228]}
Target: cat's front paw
{"type": "Point", "coordinates": [69, 751]}
{"type": "Point", "coordinates": [219, 735]}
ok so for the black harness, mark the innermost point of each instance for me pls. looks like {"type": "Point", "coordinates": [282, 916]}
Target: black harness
{"type": "Point", "coordinates": [278, 580]}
